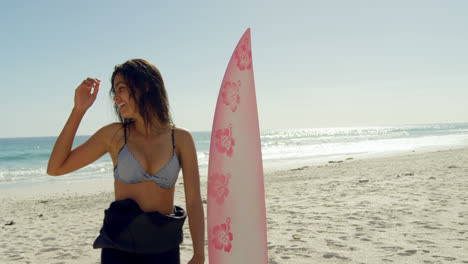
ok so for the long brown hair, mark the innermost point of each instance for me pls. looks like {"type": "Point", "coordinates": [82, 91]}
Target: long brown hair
{"type": "Point", "coordinates": [146, 87]}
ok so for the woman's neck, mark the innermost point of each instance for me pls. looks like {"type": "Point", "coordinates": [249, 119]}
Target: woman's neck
{"type": "Point", "coordinates": [143, 130]}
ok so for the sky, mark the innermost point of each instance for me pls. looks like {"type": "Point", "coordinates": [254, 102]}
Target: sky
{"type": "Point", "coordinates": [316, 63]}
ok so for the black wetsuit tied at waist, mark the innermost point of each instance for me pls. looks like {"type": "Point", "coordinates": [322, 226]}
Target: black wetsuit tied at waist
{"type": "Point", "coordinates": [126, 227]}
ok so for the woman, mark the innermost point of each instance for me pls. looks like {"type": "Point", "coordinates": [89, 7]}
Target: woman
{"type": "Point", "coordinates": [142, 225]}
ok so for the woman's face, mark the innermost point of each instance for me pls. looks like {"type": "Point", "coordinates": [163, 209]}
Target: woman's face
{"type": "Point", "coordinates": [123, 99]}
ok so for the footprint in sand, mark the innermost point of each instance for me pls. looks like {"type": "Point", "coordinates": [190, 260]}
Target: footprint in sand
{"type": "Point", "coordinates": [15, 257]}
{"type": "Point", "coordinates": [334, 255]}
{"type": "Point", "coordinates": [408, 253]}
{"type": "Point", "coordinates": [334, 244]}
{"type": "Point", "coordinates": [445, 258]}
{"type": "Point", "coordinates": [47, 239]}
{"type": "Point", "coordinates": [49, 249]}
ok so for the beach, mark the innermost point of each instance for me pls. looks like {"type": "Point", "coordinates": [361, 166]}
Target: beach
{"type": "Point", "coordinates": [406, 208]}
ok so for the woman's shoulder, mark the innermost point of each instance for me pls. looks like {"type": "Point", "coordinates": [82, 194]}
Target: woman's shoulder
{"type": "Point", "coordinates": [182, 132]}
{"type": "Point", "coordinates": [111, 131]}
{"type": "Point", "coordinates": [182, 135]}
{"type": "Point", "coordinates": [113, 135]}
{"type": "Point", "coordinates": [184, 143]}
{"type": "Point", "coordinates": [112, 128]}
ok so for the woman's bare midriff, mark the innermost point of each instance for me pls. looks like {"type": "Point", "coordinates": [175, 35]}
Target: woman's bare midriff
{"type": "Point", "coordinates": [147, 194]}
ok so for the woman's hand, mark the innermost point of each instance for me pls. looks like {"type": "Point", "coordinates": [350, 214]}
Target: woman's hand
{"type": "Point", "coordinates": [85, 94]}
{"type": "Point", "coordinates": [197, 259]}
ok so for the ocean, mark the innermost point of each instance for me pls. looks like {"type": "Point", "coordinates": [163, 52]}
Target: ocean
{"type": "Point", "coordinates": [23, 161]}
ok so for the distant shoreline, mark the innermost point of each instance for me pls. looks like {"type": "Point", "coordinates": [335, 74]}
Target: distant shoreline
{"type": "Point", "coordinates": [23, 161]}
{"type": "Point", "coordinates": [267, 129]}
{"type": "Point", "coordinates": [106, 184]}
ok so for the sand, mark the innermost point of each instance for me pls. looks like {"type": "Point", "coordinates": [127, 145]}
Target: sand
{"type": "Point", "coordinates": [410, 208]}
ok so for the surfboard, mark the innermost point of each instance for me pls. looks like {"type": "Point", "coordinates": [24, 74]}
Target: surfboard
{"type": "Point", "coordinates": [236, 215]}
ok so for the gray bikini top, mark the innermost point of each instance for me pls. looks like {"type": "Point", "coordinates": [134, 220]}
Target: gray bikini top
{"type": "Point", "coordinates": [129, 170]}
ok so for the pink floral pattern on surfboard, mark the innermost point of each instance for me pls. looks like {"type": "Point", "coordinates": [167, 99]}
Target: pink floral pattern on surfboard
{"type": "Point", "coordinates": [243, 54]}
{"type": "Point", "coordinates": [218, 187]}
{"type": "Point", "coordinates": [224, 140]}
{"type": "Point", "coordinates": [230, 94]}
{"type": "Point", "coordinates": [222, 236]}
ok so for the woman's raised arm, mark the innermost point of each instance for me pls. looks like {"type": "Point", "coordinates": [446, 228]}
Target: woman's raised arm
{"type": "Point", "coordinates": [63, 160]}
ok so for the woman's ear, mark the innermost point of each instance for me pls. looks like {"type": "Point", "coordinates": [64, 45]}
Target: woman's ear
{"type": "Point", "coordinates": [147, 88]}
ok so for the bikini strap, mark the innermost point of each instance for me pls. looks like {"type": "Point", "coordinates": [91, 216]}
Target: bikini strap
{"type": "Point", "coordinates": [125, 132]}
{"type": "Point", "coordinates": [173, 143]}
